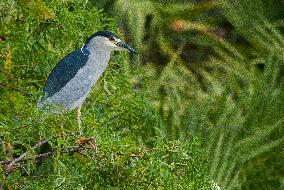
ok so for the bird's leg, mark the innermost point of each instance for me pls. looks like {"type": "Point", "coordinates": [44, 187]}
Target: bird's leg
{"type": "Point", "coordinates": [79, 120]}
{"type": "Point", "coordinates": [82, 140]}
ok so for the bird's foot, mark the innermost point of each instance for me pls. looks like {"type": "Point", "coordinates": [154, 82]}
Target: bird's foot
{"type": "Point", "coordinates": [91, 141]}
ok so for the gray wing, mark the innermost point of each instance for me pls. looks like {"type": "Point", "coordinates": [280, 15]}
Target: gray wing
{"type": "Point", "coordinates": [65, 70]}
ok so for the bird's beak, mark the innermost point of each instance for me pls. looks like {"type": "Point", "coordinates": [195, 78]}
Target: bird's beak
{"type": "Point", "coordinates": [126, 46]}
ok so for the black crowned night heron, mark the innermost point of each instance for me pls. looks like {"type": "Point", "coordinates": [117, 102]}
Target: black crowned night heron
{"type": "Point", "coordinates": [72, 78]}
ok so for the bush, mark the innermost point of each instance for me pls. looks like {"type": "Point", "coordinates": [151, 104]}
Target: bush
{"type": "Point", "coordinates": [133, 151]}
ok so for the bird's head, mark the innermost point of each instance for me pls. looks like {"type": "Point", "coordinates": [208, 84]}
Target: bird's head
{"type": "Point", "coordinates": [108, 40]}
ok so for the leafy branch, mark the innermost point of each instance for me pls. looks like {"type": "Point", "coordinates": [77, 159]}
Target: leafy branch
{"type": "Point", "coordinates": [11, 165]}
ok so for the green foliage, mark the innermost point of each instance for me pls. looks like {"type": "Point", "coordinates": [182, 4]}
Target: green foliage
{"type": "Point", "coordinates": [206, 108]}
{"type": "Point", "coordinates": [133, 151]}
{"type": "Point", "coordinates": [217, 72]}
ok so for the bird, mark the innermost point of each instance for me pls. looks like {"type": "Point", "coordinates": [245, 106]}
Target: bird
{"type": "Point", "coordinates": [71, 80]}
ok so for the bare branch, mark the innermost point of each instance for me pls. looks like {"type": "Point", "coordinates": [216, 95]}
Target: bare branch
{"type": "Point", "coordinates": [11, 164]}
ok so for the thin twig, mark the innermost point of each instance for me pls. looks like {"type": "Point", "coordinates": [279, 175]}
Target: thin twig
{"type": "Point", "coordinates": [68, 149]}
{"type": "Point", "coordinates": [34, 147]}
{"type": "Point", "coordinates": [23, 157]}
{"type": "Point", "coordinates": [11, 164]}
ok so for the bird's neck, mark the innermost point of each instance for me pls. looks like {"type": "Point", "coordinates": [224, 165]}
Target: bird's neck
{"type": "Point", "coordinates": [99, 56]}
{"type": "Point", "coordinates": [97, 60]}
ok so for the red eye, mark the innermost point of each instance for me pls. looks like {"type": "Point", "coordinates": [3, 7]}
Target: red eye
{"type": "Point", "coordinates": [111, 38]}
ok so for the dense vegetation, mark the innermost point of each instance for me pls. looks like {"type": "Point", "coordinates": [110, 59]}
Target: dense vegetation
{"type": "Point", "coordinates": [201, 105]}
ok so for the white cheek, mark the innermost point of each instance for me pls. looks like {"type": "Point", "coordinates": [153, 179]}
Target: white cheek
{"type": "Point", "coordinates": [111, 44]}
